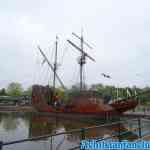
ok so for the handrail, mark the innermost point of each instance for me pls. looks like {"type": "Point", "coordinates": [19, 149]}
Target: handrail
{"type": "Point", "coordinates": [61, 133]}
{"type": "Point", "coordinates": [81, 130]}
{"type": "Point", "coordinates": [114, 135]}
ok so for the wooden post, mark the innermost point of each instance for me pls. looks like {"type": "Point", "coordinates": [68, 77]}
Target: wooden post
{"type": "Point", "coordinates": [139, 126]}
{"type": "Point", "coordinates": [119, 131]}
{"type": "Point", "coordinates": [1, 145]}
{"type": "Point", "coordinates": [51, 144]}
{"type": "Point", "coordinates": [82, 133]}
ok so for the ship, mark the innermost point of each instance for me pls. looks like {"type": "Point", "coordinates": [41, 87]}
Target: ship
{"type": "Point", "coordinates": [86, 103]}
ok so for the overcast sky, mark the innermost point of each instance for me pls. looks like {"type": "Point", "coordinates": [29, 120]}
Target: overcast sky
{"type": "Point", "coordinates": [118, 30]}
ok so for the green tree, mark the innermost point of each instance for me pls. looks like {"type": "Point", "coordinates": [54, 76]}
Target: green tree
{"type": "Point", "coordinates": [60, 92]}
{"type": "Point", "coordinates": [28, 91]}
{"type": "Point", "coordinates": [3, 92]}
{"type": "Point", "coordinates": [14, 89]}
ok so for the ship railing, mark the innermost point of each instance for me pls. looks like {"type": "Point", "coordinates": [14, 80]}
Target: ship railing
{"type": "Point", "coordinates": [83, 131]}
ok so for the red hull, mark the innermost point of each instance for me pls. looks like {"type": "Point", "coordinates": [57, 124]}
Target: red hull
{"type": "Point", "coordinates": [124, 105]}
{"type": "Point", "coordinates": [83, 104]}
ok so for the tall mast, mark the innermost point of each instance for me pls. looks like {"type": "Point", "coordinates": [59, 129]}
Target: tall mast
{"type": "Point", "coordinates": [82, 59]}
{"type": "Point", "coordinates": [81, 63]}
{"type": "Point", "coordinates": [55, 64]}
{"type": "Point", "coordinates": [51, 67]}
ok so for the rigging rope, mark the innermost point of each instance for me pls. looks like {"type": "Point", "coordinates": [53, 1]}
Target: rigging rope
{"type": "Point", "coordinates": [78, 77]}
{"type": "Point", "coordinates": [36, 71]}
{"type": "Point", "coordinates": [74, 76]}
{"type": "Point", "coordinates": [65, 49]}
{"type": "Point", "coordinates": [52, 54]}
{"type": "Point", "coordinates": [46, 75]}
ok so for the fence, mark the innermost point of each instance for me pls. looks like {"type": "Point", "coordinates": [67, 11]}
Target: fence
{"type": "Point", "coordinates": [82, 132]}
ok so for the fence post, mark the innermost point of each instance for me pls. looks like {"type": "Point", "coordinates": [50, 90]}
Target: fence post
{"type": "Point", "coordinates": [1, 145]}
{"type": "Point", "coordinates": [119, 131]}
{"type": "Point", "coordinates": [51, 146]}
{"type": "Point", "coordinates": [82, 133]}
{"type": "Point", "coordinates": [139, 126]}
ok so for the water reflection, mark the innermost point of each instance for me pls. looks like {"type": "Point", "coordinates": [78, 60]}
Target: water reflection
{"type": "Point", "coordinates": [40, 125]}
{"type": "Point", "coordinates": [16, 126]}
{"type": "Point", "coordinates": [10, 123]}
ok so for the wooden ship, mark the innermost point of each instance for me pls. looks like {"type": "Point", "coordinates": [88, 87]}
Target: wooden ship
{"type": "Point", "coordinates": [86, 104]}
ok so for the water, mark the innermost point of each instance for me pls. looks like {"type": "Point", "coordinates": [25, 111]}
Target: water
{"type": "Point", "coordinates": [15, 126]}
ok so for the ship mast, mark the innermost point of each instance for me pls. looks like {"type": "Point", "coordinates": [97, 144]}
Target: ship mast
{"type": "Point", "coordinates": [81, 63]}
{"type": "Point", "coordinates": [82, 59]}
{"type": "Point", "coordinates": [55, 65]}
{"type": "Point", "coordinates": [51, 67]}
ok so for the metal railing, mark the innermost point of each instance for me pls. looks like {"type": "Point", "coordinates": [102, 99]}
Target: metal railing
{"type": "Point", "coordinates": [82, 132]}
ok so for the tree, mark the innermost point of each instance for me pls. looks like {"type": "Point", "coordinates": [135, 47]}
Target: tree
{"type": "Point", "coordinates": [28, 91]}
{"type": "Point", "coordinates": [3, 92]}
{"type": "Point", "coordinates": [60, 92]}
{"type": "Point", "coordinates": [14, 89]}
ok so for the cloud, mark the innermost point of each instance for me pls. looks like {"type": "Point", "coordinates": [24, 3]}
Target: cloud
{"type": "Point", "coordinates": [118, 30]}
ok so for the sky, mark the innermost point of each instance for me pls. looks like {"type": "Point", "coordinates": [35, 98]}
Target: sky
{"type": "Point", "coordinates": [117, 30]}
